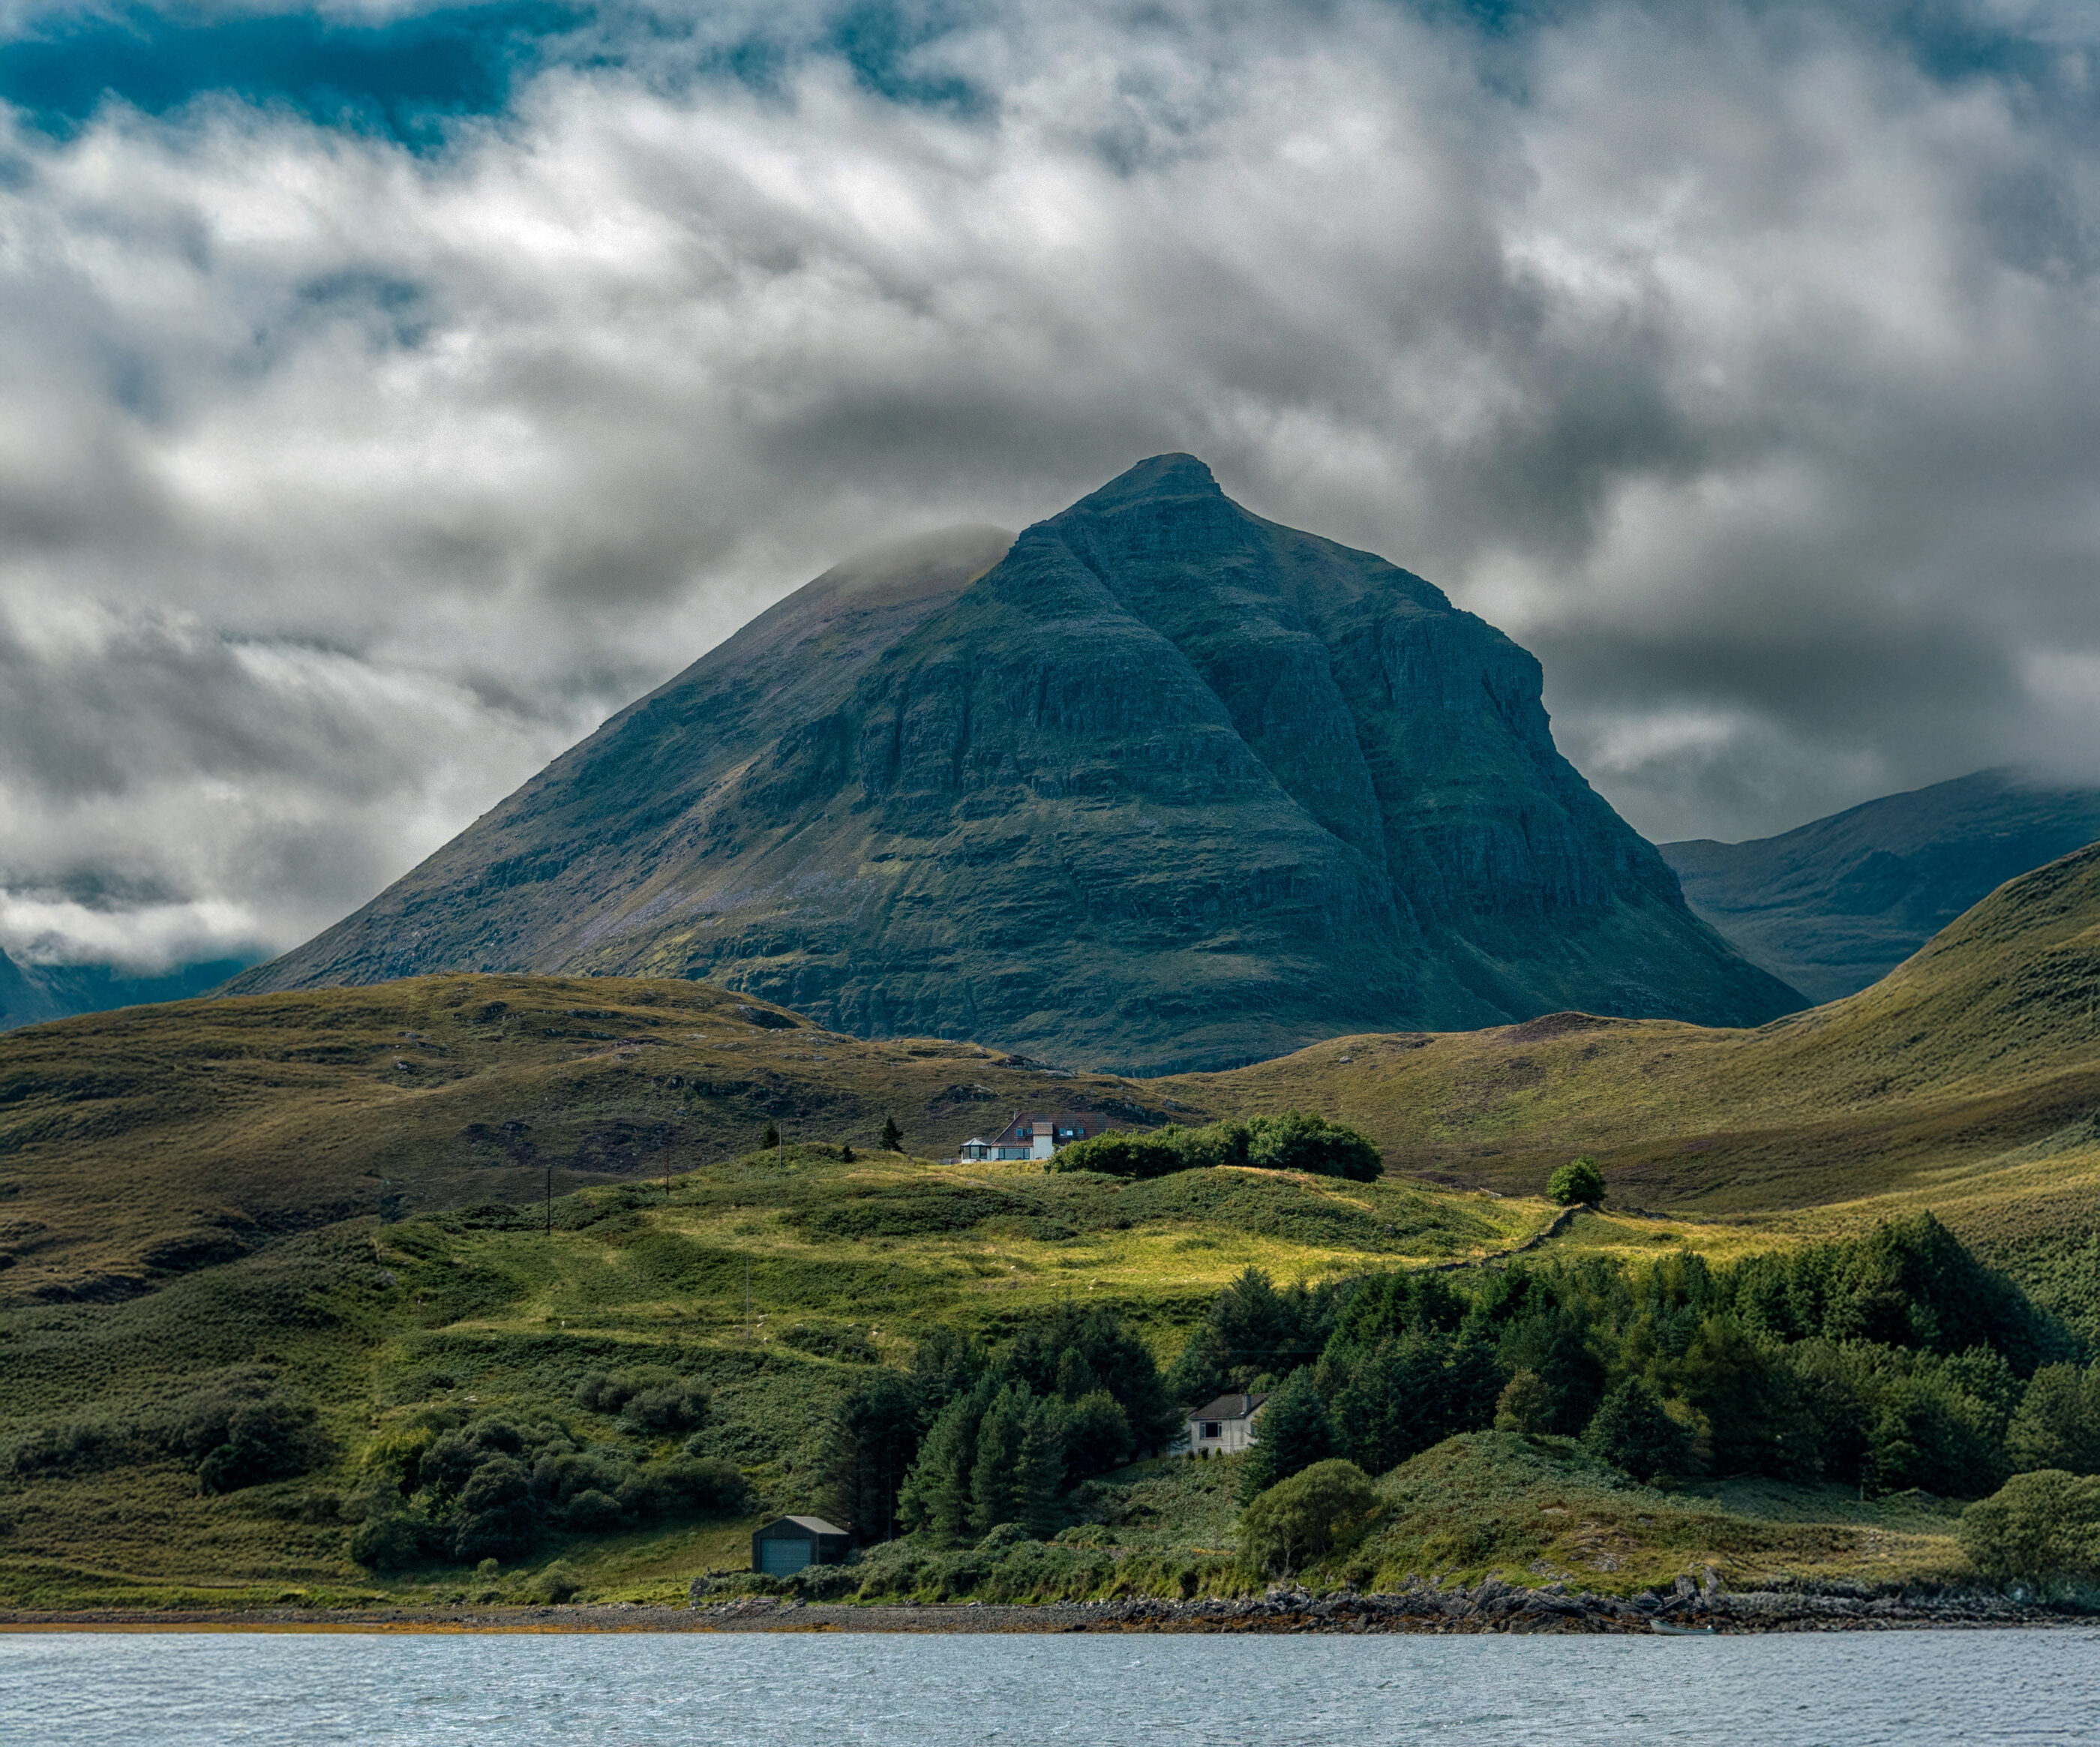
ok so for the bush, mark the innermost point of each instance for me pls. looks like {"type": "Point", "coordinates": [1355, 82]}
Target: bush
{"type": "Point", "coordinates": [1577, 1183]}
{"type": "Point", "coordinates": [592, 1512]}
{"type": "Point", "coordinates": [1296, 1141]}
{"type": "Point", "coordinates": [1293, 1141]}
{"type": "Point", "coordinates": [828, 1341]}
{"type": "Point", "coordinates": [696, 1485]}
{"type": "Point", "coordinates": [390, 1542]}
{"type": "Point", "coordinates": [556, 1584]}
{"type": "Point", "coordinates": [1630, 1430]}
{"type": "Point", "coordinates": [494, 1516]}
{"type": "Point", "coordinates": [681, 1406]}
{"type": "Point", "coordinates": [1304, 1518]}
{"type": "Point", "coordinates": [2040, 1526]}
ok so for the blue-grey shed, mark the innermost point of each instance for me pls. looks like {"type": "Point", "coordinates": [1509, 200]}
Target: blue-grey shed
{"type": "Point", "coordinates": [787, 1543]}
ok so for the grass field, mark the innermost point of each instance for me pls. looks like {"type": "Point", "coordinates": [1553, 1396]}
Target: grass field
{"type": "Point", "coordinates": [349, 1191]}
{"type": "Point", "coordinates": [482, 1311]}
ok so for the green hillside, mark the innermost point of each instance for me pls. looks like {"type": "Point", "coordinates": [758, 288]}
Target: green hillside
{"type": "Point", "coordinates": [138, 1145]}
{"type": "Point", "coordinates": [324, 1215]}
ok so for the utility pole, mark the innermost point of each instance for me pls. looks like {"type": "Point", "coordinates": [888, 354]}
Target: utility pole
{"type": "Point", "coordinates": [746, 1298]}
{"type": "Point", "coordinates": [550, 1199]}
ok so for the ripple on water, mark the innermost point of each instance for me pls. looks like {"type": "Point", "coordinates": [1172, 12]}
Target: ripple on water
{"type": "Point", "coordinates": [1860, 1689]}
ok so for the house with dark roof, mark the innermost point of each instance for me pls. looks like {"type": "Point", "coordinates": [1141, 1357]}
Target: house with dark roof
{"type": "Point", "coordinates": [1034, 1136]}
{"type": "Point", "coordinates": [1225, 1426]}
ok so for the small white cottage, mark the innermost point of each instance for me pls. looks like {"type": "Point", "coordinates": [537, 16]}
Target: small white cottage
{"type": "Point", "coordinates": [1224, 1426]}
{"type": "Point", "coordinates": [1036, 1137]}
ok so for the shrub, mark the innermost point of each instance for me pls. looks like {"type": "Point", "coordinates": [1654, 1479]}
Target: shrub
{"type": "Point", "coordinates": [494, 1516]}
{"type": "Point", "coordinates": [1293, 1141]}
{"type": "Point", "coordinates": [681, 1406]}
{"type": "Point", "coordinates": [829, 1341]}
{"type": "Point", "coordinates": [1296, 1141]}
{"type": "Point", "coordinates": [556, 1584]}
{"type": "Point", "coordinates": [1578, 1183]}
{"type": "Point", "coordinates": [592, 1512]}
{"type": "Point", "coordinates": [1630, 1430]}
{"type": "Point", "coordinates": [700, 1485]}
{"type": "Point", "coordinates": [2038, 1526]}
{"type": "Point", "coordinates": [1304, 1518]}
{"type": "Point", "coordinates": [390, 1542]}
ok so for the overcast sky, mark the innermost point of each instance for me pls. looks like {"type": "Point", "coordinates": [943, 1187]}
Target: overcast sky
{"type": "Point", "coordinates": [391, 395]}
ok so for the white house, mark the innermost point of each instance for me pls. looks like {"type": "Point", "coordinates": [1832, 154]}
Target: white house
{"type": "Point", "coordinates": [1036, 1137]}
{"type": "Point", "coordinates": [1224, 1426]}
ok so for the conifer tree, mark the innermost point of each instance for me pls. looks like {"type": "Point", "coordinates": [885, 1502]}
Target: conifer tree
{"type": "Point", "coordinates": [936, 1493]}
{"type": "Point", "coordinates": [892, 1136]}
{"type": "Point", "coordinates": [998, 1484]}
{"type": "Point", "coordinates": [1292, 1432]}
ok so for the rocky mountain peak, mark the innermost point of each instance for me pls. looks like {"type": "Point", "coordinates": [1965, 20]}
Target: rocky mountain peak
{"type": "Point", "coordinates": [1159, 785]}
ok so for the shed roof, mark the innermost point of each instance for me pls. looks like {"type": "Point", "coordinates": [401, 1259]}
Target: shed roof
{"type": "Point", "coordinates": [815, 1524]}
{"type": "Point", "coordinates": [1231, 1407]}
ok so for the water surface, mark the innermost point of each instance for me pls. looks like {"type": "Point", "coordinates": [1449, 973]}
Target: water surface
{"type": "Point", "coordinates": [82, 1689]}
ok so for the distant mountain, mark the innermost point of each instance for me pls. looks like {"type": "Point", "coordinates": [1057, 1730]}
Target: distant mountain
{"type": "Point", "coordinates": [1833, 906]}
{"type": "Point", "coordinates": [31, 994]}
{"type": "Point", "coordinates": [1164, 785]}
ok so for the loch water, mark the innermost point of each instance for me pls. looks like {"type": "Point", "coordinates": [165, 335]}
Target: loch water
{"type": "Point", "coordinates": [174, 1689]}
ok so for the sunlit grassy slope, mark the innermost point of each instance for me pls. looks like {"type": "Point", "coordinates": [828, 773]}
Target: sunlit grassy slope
{"type": "Point", "coordinates": [485, 1312]}
{"type": "Point", "coordinates": [137, 1145]}
{"type": "Point", "coordinates": [1979, 1054]}
{"type": "Point", "coordinates": [343, 1186]}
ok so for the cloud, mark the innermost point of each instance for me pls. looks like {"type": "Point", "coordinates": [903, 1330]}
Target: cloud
{"type": "Point", "coordinates": [1741, 361]}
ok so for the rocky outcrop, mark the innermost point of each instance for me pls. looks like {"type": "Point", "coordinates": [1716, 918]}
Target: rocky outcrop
{"type": "Point", "coordinates": [1165, 786]}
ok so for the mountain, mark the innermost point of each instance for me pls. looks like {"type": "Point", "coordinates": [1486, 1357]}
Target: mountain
{"type": "Point", "coordinates": [23, 1000]}
{"type": "Point", "coordinates": [1833, 905]}
{"type": "Point", "coordinates": [1162, 786]}
{"type": "Point", "coordinates": [31, 994]}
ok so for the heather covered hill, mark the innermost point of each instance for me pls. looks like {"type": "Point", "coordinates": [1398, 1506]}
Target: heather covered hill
{"type": "Point", "coordinates": [1967, 1077]}
{"type": "Point", "coordinates": [1835, 904]}
{"type": "Point", "coordinates": [1165, 786]}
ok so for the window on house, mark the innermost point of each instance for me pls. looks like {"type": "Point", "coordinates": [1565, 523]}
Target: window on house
{"type": "Point", "coordinates": [1212, 1429]}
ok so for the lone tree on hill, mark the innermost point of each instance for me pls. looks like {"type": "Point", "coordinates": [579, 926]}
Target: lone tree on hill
{"type": "Point", "coordinates": [892, 1136]}
{"type": "Point", "coordinates": [1577, 1183]}
{"type": "Point", "coordinates": [772, 1135]}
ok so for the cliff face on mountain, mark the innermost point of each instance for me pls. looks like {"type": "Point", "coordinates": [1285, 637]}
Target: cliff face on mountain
{"type": "Point", "coordinates": [1165, 785]}
{"type": "Point", "coordinates": [1838, 903]}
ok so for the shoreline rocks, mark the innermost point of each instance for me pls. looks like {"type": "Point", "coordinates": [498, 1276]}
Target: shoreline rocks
{"type": "Point", "coordinates": [1489, 1606]}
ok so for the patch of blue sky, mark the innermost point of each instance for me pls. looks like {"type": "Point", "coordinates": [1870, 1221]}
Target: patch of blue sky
{"type": "Point", "coordinates": [406, 74]}
{"type": "Point", "coordinates": [399, 76]}
{"type": "Point", "coordinates": [405, 71]}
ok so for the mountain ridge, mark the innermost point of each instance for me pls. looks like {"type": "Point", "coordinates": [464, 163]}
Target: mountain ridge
{"type": "Point", "coordinates": [1833, 905]}
{"type": "Point", "coordinates": [1162, 786]}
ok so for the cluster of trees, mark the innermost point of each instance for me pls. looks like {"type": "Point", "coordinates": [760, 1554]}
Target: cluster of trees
{"type": "Point", "coordinates": [489, 1489]}
{"type": "Point", "coordinates": [1293, 1141]}
{"type": "Point", "coordinates": [236, 1430]}
{"type": "Point", "coordinates": [969, 1438]}
{"type": "Point", "coordinates": [1891, 1362]}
